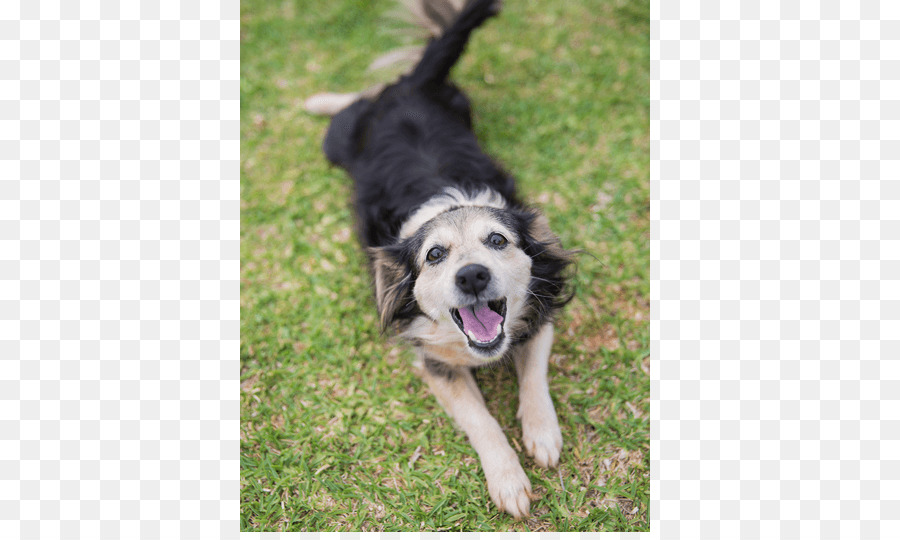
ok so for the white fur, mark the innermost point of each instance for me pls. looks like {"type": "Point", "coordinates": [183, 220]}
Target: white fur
{"type": "Point", "coordinates": [450, 198]}
{"type": "Point", "coordinates": [330, 103]}
{"type": "Point", "coordinates": [463, 233]}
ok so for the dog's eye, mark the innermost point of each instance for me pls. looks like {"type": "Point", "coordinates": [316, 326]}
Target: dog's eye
{"type": "Point", "coordinates": [497, 240]}
{"type": "Point", "coordinates": [434, 254]}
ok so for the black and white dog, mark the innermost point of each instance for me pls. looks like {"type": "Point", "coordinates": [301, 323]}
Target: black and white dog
{"type": "Point", "coordinates": [462, 268]}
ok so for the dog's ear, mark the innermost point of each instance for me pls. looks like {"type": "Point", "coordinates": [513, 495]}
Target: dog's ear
{"type": "Point", "coordinates": [393, 285]}
{"type": "Point", "coordinates": [549, 264]}
{"type": "Point", "coordinates": [540, 233]}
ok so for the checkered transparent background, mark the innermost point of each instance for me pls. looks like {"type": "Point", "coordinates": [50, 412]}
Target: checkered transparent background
{"type": "Point", "coordinates": [776, 243]}
{"type": "Point", "coordinates": [119, 263]}
{"type": "Point", "coordinates": [776, 182]}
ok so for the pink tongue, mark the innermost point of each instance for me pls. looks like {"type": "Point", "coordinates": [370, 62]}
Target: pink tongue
{"type": "Point", "coordinates": [482, 323]}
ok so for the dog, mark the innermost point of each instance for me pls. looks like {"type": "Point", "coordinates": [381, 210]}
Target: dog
{"type": "Point", "coordinates": [462, 268]}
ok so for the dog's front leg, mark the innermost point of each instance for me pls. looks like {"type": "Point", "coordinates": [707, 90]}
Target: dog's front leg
{"type": "Point", "coordinates": [540, 427]}
{"type": "Point", "coordinates": [457, 392]}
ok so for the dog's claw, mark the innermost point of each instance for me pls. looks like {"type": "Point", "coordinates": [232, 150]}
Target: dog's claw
{"type": "Point", "coordinates": [543, 440]}
{"type": "Point", "coordinates": [510, 490]}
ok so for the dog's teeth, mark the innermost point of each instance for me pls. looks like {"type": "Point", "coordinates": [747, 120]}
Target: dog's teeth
{"type": "Point", "coordinates": [476, 340]}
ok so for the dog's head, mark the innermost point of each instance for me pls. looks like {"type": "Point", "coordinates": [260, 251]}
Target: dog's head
{"type": "Point", "coordinates": [472, 279]}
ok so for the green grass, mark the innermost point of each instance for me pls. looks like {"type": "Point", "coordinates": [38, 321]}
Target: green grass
{"type": "Point", "coordinates": [337, 431]}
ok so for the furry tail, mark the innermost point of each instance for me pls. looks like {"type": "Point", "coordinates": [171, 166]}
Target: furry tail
{"type": "Point", "coordinates": [422, 20]}
{"type": "Point", "coordinates": [442, 53]}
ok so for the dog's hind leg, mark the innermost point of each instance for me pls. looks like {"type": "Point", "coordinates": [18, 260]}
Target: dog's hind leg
{"type": "Point", "coordinates": [342, 139]}
{"type": "Point", "coordinates": [456, 391]}
{"type": "Point", "coordinates": [330, 103]}
{"type": "Point", "coordinates": [540, 427]}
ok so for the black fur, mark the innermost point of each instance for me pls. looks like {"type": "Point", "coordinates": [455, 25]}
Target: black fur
{"type": "Point", "coordinates": [548, 290]}
{"type": "Point", "coordinates": [439, 369]}
{"type": "Point", "coordinates": [410, 143]}
{"type": "Point", "coordinates": [414, 139]}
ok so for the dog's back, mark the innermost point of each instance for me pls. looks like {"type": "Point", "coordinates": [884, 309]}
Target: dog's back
{"type": "Point", "coordinates": [414, 139]}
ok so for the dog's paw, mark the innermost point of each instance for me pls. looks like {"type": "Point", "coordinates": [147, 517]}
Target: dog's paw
{"type": "Point", "coordinates": [543, 439]}
{"type": "Point", "coordinates": [510, 489]}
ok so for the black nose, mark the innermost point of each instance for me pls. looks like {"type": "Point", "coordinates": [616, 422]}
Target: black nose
{"type": "Point", "coordinates": [473, 278]}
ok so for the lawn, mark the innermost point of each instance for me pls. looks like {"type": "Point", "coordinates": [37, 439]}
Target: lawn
{"type": "Point", "coordinates": [337, 431]}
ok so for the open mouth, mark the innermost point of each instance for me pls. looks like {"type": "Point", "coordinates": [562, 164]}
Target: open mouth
{"type": "Point", "coordinates": [482, 323]}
